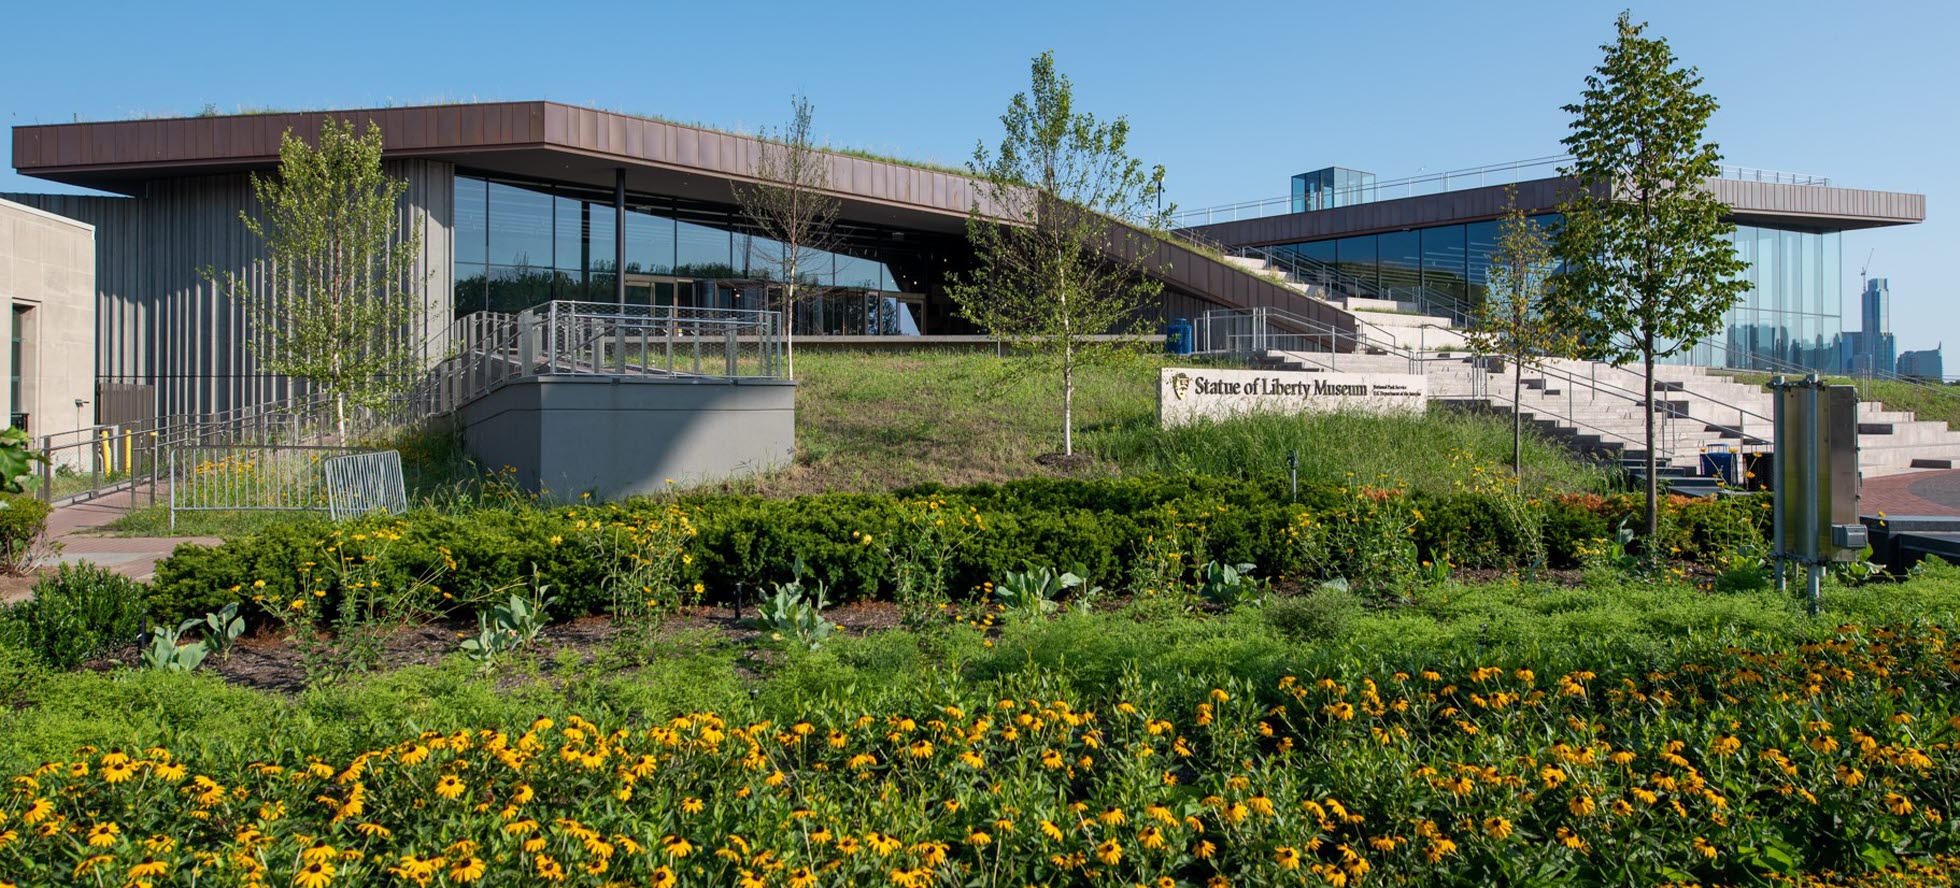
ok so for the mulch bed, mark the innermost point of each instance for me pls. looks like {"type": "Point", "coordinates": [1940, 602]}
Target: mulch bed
{"type": "Point", "coordinates": [266, 660]}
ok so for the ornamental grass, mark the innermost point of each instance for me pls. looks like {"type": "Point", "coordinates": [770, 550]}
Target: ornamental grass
{"type": "Point", "coordinates": [1827, 761]}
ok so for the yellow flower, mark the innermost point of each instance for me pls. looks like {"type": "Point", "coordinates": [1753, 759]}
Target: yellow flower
{"type": "Point", "coordinates": [467, 870]}
{"type": "Point", "coordinates": [1109, 852]}
{"type": "Point", "coordinates": [1287, 857]}
{"type": "Point", "coordinates": [449, 786]}
{"type": "Point", "coordinates": [318, 874]}
{"type": "Point", "coordinates": [102, 835]}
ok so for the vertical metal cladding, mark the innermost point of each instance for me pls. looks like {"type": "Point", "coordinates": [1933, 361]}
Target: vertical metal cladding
{"type": "Point", "coordinates": [163, 321]}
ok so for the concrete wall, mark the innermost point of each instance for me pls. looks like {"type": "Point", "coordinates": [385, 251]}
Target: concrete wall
{"type": "Point", "coordinates": [47, 267]}
{"type": "Point", "coordinates": [614, 437]}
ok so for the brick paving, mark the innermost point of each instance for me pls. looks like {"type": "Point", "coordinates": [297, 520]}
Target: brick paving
{"type": "Point", "coordinates": [1912, 493]}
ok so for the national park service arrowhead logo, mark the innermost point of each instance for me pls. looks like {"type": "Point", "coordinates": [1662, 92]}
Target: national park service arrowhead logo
{"type": "Point", "coordinates": [1180, 384]}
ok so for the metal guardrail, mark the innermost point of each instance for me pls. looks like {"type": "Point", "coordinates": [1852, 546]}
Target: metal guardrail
{"type": "Point", "coordinates": [98, 460]}
{"type": "Point", "coordinates": [249, 478]}
{"type": "Point", "coordinates": [485, 350]}
{"type": "Point", "coordinates": [1506, 173]}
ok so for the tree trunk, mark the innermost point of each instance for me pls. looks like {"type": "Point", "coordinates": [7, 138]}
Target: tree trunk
{"type": "Point", "coordinates": [1068, 399]}
{"type": "Point", "coordinates": [1653, 478]}
{"type": "Point", "coordinates": [1517, 423]}
{"type": "Point", "coordinates": [340, 416]}
{"type": "Point", "coordinates": [789, 323]}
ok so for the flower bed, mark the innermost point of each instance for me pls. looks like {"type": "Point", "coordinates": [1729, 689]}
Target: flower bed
{"type": "Point", "coordinates": [1726, 768]}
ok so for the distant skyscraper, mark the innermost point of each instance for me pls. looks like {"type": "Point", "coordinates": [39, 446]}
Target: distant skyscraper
{"type": "Point", "coordinates": [1872, 350]}
{"type": "Point", "coordinates": [1926, 365]}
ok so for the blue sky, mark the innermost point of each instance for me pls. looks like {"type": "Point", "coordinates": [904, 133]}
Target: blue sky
{"type": "Point", "coordinates": [1232, 97]}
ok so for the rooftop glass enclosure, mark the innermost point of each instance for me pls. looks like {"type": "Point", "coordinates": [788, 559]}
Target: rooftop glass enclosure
{"type": "Point", "coordinates": [1332, 187]}
{"type": "Point", "coordinates": [520, 244]}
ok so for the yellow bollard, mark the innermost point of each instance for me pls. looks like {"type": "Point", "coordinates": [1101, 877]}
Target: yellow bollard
{"type": "Point", "coordinates": [108, 450]}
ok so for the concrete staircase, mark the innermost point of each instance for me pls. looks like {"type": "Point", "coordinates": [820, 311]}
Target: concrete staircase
{"type": "Point", "coordinates": [1596, 409]}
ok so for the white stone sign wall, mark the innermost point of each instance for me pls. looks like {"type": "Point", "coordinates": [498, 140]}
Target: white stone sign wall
{"type": "Point", "coordinates": [1185, 394]}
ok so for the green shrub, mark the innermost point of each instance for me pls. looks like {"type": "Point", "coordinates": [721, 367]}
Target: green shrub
{"type": "Point", "coordinates": [1102, 530]}
{"type": "Point", "coordinates": [80, 612]}
{"type": "Point", "coordinates": [1326, 612]}
{"type": "Point", "coordinates": [22, 521]}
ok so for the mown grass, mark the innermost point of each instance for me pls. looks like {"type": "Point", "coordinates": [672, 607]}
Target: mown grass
{"type": "Point", "coordinates": [1925, 401]}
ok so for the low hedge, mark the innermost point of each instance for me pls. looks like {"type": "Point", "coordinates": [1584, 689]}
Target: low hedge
{"type": "Point", "coordinates": [1097, 529]}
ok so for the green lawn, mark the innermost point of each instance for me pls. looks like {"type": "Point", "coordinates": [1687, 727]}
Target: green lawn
{"type": "Point", "coordinates": [1925, 400]}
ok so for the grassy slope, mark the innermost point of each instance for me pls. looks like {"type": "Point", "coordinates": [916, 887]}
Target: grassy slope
{"type": "Point", "coordinates": [1929, 402]}
{"type": "Point", "coordinates": [880, 421]}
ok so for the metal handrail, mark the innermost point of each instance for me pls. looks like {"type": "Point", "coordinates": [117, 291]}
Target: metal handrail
{"type": "Point", "coordinates": [1452, 180]}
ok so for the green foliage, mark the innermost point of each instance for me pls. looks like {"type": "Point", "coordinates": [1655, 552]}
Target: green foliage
{"type": "Point", "coordinates": [1230, 585]}
{"type": "Point", "coordinates": [793, 614]}
{"type": "Point", "coordinates": [1055, 200]}
{"type": "Point", "coordinates": [509, 627]}
{"type": "Point", "coordinates": [165, 653]}
{"type": "Point", "coordinates": [1323, 613]}
{"type": "Point", "coordinates": [79, 613]}
{"type": "Point", "coordinates": [218, 630]}
{"type": "Point", "coordinates": [342, 316]}
{"type": "Point", "coordinates": [17, 461]}
{"type": "Point", "coordinates": [1435, 452]}
{"type": "Point", "coordinates": [1516, 324]}
{"type": "Point", "coordinates": [1035, 593]}
{"type": "Point", "coordinates": [1744, 570]}
{"type": "Point", "coordinates": [23, 519]}
{"type": "Point", "coordinates": [1648, 268]}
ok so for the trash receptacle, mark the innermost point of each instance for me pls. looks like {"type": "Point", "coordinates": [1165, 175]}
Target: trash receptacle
{"type": "Point", "coordinates": [1722, 464]}
{"type": "Point", "coordinates": [1177, 337]}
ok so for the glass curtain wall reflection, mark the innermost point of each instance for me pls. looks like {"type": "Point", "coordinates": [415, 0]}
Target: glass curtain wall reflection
{"type": "Point", "coordinates": [523, 244]}
{"type": "Point", "coordinates": [1789, 319]}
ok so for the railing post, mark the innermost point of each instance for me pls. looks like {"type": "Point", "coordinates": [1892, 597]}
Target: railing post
{"type": "Point", "coordinates": [47, 470]}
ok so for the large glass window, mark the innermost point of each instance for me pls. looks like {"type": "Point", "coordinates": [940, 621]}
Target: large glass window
{"type": "Point", "coordinates": [1443, 272]}
{"type": "Point", "coordinates": [1356, 258]}
{"type": "Point", "coordinates": [521, 244]}
{"type": "Point", "coordinates": [520, 226]}
{"type": "Point", "coordinates": [1401, 263]}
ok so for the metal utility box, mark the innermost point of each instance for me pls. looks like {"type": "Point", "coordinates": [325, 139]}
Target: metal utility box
{"type": "Point", "coordinates": [1816, 471]}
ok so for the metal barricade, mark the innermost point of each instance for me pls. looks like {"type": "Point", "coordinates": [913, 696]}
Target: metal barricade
{"type": "Point", "coordinates": [363, 483]}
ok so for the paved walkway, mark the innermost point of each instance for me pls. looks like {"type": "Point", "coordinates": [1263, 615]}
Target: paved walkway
{"type": "Point", "coordinates": [78, 528]}
{"type": "Point", "coordinates": [1912, 493]}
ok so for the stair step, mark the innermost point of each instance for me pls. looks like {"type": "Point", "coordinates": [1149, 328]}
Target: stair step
{"type": "Point", "coordinates": [1930, 463]}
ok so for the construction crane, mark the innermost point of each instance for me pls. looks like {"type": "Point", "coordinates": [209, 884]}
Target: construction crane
{"type": "Point", "coordinates": [1865, 268]}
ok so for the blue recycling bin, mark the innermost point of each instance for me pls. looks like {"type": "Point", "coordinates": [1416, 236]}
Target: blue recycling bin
{"type": "Point", "coordinates": [1721, 464]}
{"type": "Point", "coordinates": [1177, 337]}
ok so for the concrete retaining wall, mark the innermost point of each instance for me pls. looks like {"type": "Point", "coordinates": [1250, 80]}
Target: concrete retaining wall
{"type": "Point", "coordinates": [616, 437]}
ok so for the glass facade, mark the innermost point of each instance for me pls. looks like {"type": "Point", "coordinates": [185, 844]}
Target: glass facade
{"type": "Point", "coordinates": [1444, 265]}
{"type": "Point", "coordinates": [1790, 316]}
{"type": "Point", "coordinates": [1332, 187]}
{"type": "Point", "coordinates": [520, 244]}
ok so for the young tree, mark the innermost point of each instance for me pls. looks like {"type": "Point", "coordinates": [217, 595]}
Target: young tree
{"type": "Point", "coordinates": [1070, 261]}
{"type": "Point", "coordinates": [1515, 324]}
{"type": "Point", "coordinates": [1648, 265]}
{"type": "Point", "coordinates": [338, 304]}
{"type": "Point", "coordinates": [790, 204]}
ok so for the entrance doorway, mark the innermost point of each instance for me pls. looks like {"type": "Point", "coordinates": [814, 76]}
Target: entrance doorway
{"type": "Point", "coordinates": [667, 290]}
